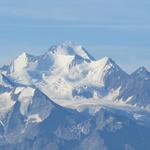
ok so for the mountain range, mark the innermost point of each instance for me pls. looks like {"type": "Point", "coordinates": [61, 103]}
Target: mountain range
{"type": "Point", "coordinates": [65, 99]}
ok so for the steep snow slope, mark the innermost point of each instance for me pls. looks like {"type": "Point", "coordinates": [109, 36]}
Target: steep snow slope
{"type": "Point", "coordinates": [104, 78]}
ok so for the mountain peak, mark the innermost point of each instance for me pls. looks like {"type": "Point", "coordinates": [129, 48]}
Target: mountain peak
{"type": "Point", "coordinates": [70, 48]}
{"type": "Point", "coordinates": [141, 72]}
{"type": "Point", "coordinates": [23, 55]}
{"type": "Point", "coordinates": [142, 69]}
{"type": "Point", "coordinates": [22, 61]}
{"type": "Point", "coordinates": [108, 61]}
{"type": "Point", "coordinates": [68, 43]}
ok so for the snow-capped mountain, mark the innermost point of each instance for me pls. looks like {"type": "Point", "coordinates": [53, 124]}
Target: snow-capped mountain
{"type": "Point", "coordinates": [65, 99]}
{"type": "Point", "coordinates": [68, 71]}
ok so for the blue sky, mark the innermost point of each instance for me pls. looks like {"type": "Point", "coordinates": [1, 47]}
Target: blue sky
{"type": "Point", "coordinates": [116, 28]}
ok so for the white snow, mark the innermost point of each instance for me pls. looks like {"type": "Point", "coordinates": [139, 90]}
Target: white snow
{"type": "Point", "coordinates": [21, 62]}
{"type": "Point", "coordinates": [25, 98]}
{"type": "Point", "coordinates": [34, 118]}
{"type": "Point", "coordinates": [6, 102]}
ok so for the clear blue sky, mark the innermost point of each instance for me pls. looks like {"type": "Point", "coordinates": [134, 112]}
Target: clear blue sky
{"type": "Point", "coordinates": [116, 28]}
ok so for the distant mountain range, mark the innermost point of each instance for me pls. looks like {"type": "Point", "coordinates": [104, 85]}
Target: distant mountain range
{"type": "Point", "coordinates": [65, 99]}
